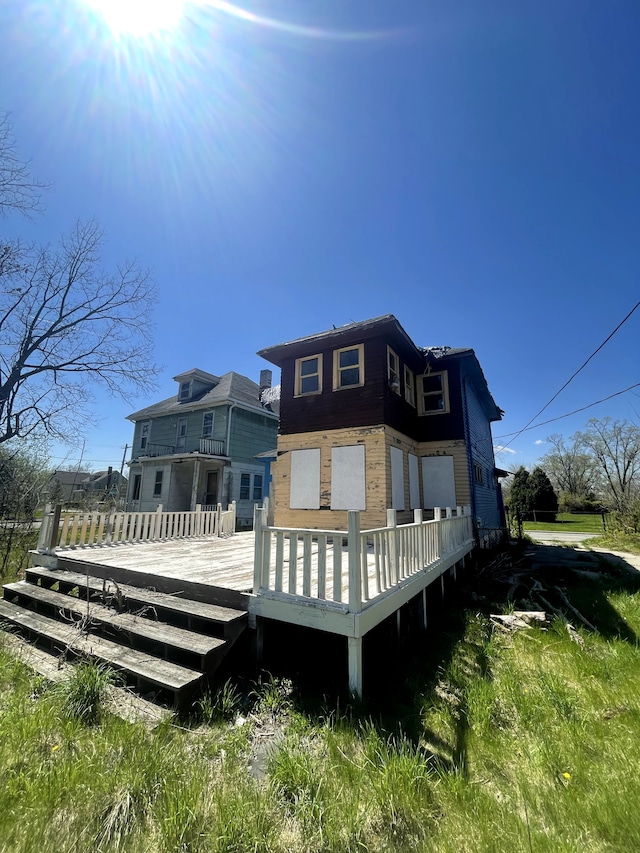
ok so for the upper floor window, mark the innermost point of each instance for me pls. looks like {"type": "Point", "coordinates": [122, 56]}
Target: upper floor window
{"type": "Point", "coordinates": [207, 424]}
{"type": "Point", "coordinates": [409, 386]}
{"type": "Point", "coordinates": [434, 393]}
{"type": "Point", "coordinates": [477, 473]}
{"type": "Point", "coordinates": [185, 391]}
{"type": "Point", "coordinates": [181, 434]}
{"type": "Point", "coordinates": [308, 375]}
{"type": "Point", "coordinates": [145, 429]}
{"type": "Point", "coordinates": [393, 371]}
{"type": "Point", "coordinates": [348, 367]}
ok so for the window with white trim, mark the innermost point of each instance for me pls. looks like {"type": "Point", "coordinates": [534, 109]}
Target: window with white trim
{"type": "Point", "coordinates": [257, 487]}
{"type": "Point", "coordinates": [157, 486]}
{"type": "Point", "coordinates": [434, 393]}
{"type": "Point", "coordinates": [409, 387]}
{"type": "Point", "coordinates": [245, 487]}
{"type": "Point", "coordinates": [145, 429]}
{"type": "Point", "coordinates": [181, 434]}
{"type": "Point", "coordinates": [308, 375]}
{"type": "Point", "coordinates": [207, 424]}
{"type": "Point", "coordinates": [393, 371]}
{"type": "Point", "coordinates": [185, 391]}
{"type": "Point", "coordinates": [348, 367]}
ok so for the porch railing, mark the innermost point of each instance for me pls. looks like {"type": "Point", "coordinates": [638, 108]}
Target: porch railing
{"type": "Point", "coordinates": [212, 446]}
{"type": "Point", "coordinates": [97, 528]}
{"type": "Point", "coordinates": [353, 568]}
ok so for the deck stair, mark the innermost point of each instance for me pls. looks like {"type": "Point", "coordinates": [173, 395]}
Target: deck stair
{"type": "Point", "coordinates": [162, 643]}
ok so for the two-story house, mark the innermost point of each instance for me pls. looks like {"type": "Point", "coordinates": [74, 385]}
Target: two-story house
{"type": "Point", "coordinates": [370, 421]}
{"type": "Point", "coordinates": [200, 446]}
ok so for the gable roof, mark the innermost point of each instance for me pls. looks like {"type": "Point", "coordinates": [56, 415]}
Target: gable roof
{"type": "Point", "coordinates": [231, 388]}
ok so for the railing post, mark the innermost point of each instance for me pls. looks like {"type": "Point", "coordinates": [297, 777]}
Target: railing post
{"type": "Point", "coordinates": [44, 528]}
{"type": "Point", "coordinates": [232, 507]}
{"type": "Point", "coordinates": [157, 524]}
{"type": "Point", "coordinates": [437, 515]}
{"type": "Point", "coordinates": [110, 526]}
{"type": "Point", "coordinates": [53, 531]}
{"type": "Point", "coordinates": [218, 527]}
{"type": "Point", "coordinates": [258, 525]}
{"type": "Point", "coordinates": [199, 519]}
{"type": "Point", "coordinates": [417, 519]}
{"type": "Point", "coordinates": [394, 557]}
{"type": "Point", "coordinates": [353, 548]}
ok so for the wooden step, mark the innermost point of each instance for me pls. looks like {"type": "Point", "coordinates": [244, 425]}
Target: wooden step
{"type": "Point", "coordinates": [176, 644]}
{"type": "Point", "coordinates": [147, 671]}
{"type": "Point", "coordinates": [206, 618]}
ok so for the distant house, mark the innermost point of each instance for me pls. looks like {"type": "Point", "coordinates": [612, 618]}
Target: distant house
{"type": "Point", "coordinates": [371, 421]}
{"type": "Point", "coordinates": [200, 445]}
{"type": "Point", "coordinates": [107, 484]}
{"type": "Point", "coordinates": [62, 484]}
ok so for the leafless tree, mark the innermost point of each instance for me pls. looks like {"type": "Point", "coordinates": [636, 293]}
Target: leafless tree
{"type": "Point", "coordinates": [68, 328]}
{"type": "Point", "coordinates": [570, 467]}
{"type": "Point", "coordinates": [19, 190]}
{"type": "Point", "coordinates": [616, 447]}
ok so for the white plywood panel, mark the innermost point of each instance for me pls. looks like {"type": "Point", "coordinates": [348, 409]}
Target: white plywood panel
{"type": "Point", "coordinates": [397, 478]}
{"type": "Point", "coordinates": [305, 479]}
{"type": "Point", "coordinates": [348, 478]}
{"type": "Point", "coordinates": [438, 484]}
{"type": "Point", "coordinates": [414, 482]}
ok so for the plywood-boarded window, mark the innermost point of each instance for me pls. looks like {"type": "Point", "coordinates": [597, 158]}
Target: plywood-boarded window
{"type": "Point", "coordinates": [438, 484]}
{"type": "Point", "coordinates": [305, 479]}
{"type": "Point", "coordinates": [397, 478]}
{"type": "Point", "coordinates": [414, 482]}
{"type": "Point", "coordinates": [348, 478]}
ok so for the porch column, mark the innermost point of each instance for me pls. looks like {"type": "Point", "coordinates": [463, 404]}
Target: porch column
{"type": "Point", "coordinates": [194, 485]}
{"type": "Point", "coordinates": [355, 665]}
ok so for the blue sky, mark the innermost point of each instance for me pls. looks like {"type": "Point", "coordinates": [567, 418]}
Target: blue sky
{"type": "Point", "coordinates": [471, 167]}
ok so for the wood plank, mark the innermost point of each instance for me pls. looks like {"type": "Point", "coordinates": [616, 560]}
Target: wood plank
{"type": "Point", "coordinates": [160, 632]}
{"type": "Point", "coordinates": [163, 673]}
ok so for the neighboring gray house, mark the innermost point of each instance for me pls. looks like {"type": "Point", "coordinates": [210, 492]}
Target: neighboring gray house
{"type": "Point", "coordinates": [110, 484]}
{"type": "Point", "coordinates": [200, 446]}
{"type": "Point", "coordinates": [62, 485]}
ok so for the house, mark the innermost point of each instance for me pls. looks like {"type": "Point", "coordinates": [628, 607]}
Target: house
{"type": "Point", "coordinates": [62, 485]}
{"type": "Point", "coordinates": [200, 445]}
{"type": "Point", "coordinates": [101, 484]}
{"type": "Point", "coordinates": [371, 421]}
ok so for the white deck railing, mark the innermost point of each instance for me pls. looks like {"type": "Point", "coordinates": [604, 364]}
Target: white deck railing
{"type": "Point", "coordinates": [353, 568]}
{"type": "Point", "coordinates": [87, 529]}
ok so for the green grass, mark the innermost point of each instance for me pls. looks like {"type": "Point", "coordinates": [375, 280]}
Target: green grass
{"type": "Point", "coordinates": [569, 522]}
{"type": "Point", "coordinates": [482, 741]}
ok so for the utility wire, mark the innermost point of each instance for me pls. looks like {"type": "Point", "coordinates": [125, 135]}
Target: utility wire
{"type": "Point", "coordinates": [568, 415]}
{"type": "Point", "coordinates": [573, 376]}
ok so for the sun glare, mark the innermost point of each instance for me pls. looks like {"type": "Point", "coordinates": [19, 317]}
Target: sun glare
{"type": "Point", "coordinates": [138, 17]}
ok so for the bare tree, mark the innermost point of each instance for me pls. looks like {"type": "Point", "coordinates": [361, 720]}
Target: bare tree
{"type": "Point", "coordinates": [19, 190]}
{"type": "Point", "coordinates": [570, 467]}
{"type": "Point", "coordinates": [66, 326]}
{"type": "Point", "coordinates": [616, 447]}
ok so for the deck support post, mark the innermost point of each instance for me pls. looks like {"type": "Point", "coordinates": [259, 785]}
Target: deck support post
{"type": "Point", "coordinates": [259, 642]}
{"type": "Point", "coordinates": [355, 665]}
{"type": "Point", "coordinates": [423, 609]}
{"type": "Point", "coordinates": [442, 585]}
{"type": "Point", "coordinates": [398, 624]}
{"type": "Point", "coordinates": [355, 571]}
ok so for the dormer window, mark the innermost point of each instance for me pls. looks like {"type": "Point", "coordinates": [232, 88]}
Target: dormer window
{"type": "Point", "coordinates": [185, 391]}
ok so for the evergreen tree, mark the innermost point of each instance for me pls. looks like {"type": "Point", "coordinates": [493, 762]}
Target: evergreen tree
{"type": "Point", "coordinates": [543, 501]}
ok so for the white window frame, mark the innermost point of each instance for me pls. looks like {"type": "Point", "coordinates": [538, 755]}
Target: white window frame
{"type": "Point", "coordinates": [184, 392]}
{"type": "Point", "coordinates": [298, 392]}
{"type": "Point", "coordinates": [145, 434]}
{"type": "Point", "coordinates": [409, 387]}
{"type": "Point", "coordinates": [181, 436]}
{"type": "Point", "coordinates": [209, 433]}
{"type": "Point", "coordinates": [337, 369]}
{"type": "Point", "coordinates": [393, 373]}
{"type": "Point", "coordinates": [444, 392]}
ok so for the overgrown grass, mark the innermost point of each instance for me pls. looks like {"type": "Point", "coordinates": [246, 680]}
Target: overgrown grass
{"type": "Point", "coordinates": [487, 742]}
{"type": "Point", "coordinates": [569, 523]}
{"type": "Point", "coordinates": [616, 541]}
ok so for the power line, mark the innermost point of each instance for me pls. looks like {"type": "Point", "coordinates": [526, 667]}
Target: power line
{"type": "Point", "coordinates": [573, 376]}
{"type": "Point", "coordinates": [568, 415]}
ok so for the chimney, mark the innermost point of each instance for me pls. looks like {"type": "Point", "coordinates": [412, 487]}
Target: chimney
{"type": "Point", "coordinates": [265, 380]}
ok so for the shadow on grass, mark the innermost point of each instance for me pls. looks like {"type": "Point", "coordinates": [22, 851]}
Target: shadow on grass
{"type": "Point", "coordinates": [410, 672]}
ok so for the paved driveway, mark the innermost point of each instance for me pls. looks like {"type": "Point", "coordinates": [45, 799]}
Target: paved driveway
{"type": "Point", "coordinates": [546, 536]}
